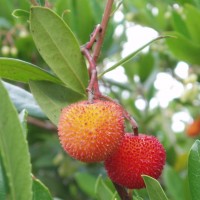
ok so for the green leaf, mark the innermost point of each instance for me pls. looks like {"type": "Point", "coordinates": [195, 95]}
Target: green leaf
{"type": "Point", "coordinates": [59, 48]}
{"type": "Point", "coordinates": [192, 16]}
{"type": "Point", "coordinates": [80, 19]}
{"type": "Point", "coordinates": [97, 9]}
{"type": "Point", "coordinates": [193, 170]}
{"type": "Point", "coordinates": [14, 150]}
{"type": "Point", "coordinates": [3, 182]}
{"type": "Point", "coordinates": [23, 119]}
{"type": "Point", "coordinates": [6, 9]}
{"type": "Point", "coordinates": [21, 71]}
{"type": "Point", "coordinates": [174, 183]}
{"type": "Point", "coordinates": [130, 56]}
{"type": "Point", "coordinates": [197, 3]}
{"type": "Point", "coordinates": [146, 66]}
{"type": "Point", "coordinates": [52, 98]}
{"type": "Point", "coordinates": [82, 178]}
{"type": "Point", "coordinates": [143, 67]}
{"type": "Point", "coordinates": [103, 191]}
{"type": "Point", "coordinates": [40, 191]}
{"type": "Point", "coordinates": [184, 48]}
{"type": "Point", "coordinates": [18, 13]}
{"type": "Point", "coordinates": [179, 24]}
{"type": "Point", "coordinates": [23, 100]}
{"type": "Point", "coordinates": [154, 189]}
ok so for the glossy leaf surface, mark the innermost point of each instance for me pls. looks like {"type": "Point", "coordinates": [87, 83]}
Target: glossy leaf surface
{"type": "Point", "coordinates": [154, 188]}
{"type": "Point", "coordinates": [22, 99]}
{"type": "Point", "coordinates": [59, 48]}
{"type": "Point", "coordinates": [40, 191]}
{"type": "Point", "coordinates": [52, 98]}
{"type": "Point", "coordinates": [18, 70]}
{"type": "Point", "coordinates": [14, 150]}
{"type": "Point", "coordinates": [193, 170]}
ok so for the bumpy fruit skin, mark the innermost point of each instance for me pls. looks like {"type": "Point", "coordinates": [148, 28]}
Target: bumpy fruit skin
{"type": "Point", "coordinates": [136, 156]}
{"type": "Point", "coordinates": [90, 132]}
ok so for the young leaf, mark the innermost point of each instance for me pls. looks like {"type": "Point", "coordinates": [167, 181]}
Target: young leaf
{"type": "Point", "coordinates": [193, 170]}
{"type": "Point", "coordinates": [14, 150]}
{"type": "Point", "coordinates": [18, 13]}
{"type": "Point", "coordinates": [40, 191]}
{"type": "Point", "coordinates": [59, 48]}
{"type": "Point", "coordinates": [18, 70]}
{"type": "Point", "coordinates": [52, 98]}
{"type": "Point", "coordinates": [23, 100]}
{"type": "Point", "coordinates": [154, 189]}
{"type": "Point", "coordinates": [130, 56]}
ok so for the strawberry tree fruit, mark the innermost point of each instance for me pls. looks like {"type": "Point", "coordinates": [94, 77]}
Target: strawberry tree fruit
{"type": "Point", "coordinates": [136, 156]}
{"type": "Point", "coordinates": [193, 129]}
{"type": "Point", "coordinates": [90, 132]}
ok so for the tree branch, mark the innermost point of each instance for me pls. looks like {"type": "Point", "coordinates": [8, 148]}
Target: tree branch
{"type": "Point", "coordinates": [93, 85]}
{"type": "Point", "coordinates": [104, 24]}
{"type": "Point", "coordinates": [42, 124]}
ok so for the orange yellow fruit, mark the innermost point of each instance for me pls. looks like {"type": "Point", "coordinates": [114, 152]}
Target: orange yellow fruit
{"type": "Point", "coordinates": [193, 129]}
{"type": "Point", "coordinates": [90, 132]}
{"type": "Point", "coordinates": [136, 156]}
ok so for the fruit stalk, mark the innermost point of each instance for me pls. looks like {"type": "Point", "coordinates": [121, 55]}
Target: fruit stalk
{"type": "Point", "coordinates": [122, 192]}
{"type": "Point", "coordinates": [132, 122]}
{"type": "Point", "coordinates": [126, 115]}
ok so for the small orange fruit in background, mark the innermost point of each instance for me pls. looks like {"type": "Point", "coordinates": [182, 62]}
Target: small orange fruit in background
{"type": "Point", "coordinates": [90, 132]}
{"type": "Point", "coordinates": [136, 156]}
{"type": "Point", "coordinates": [193, 129]}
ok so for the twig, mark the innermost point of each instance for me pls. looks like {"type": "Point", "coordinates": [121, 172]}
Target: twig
{"type": "Point", "coordinates": [104, 24]}
{"type": "Point", "coordinates": [122, 192]}
{"type": "Point", "coordinates": [93, 85]}
{"type": "Point", "coordinates": [42, 124]}
{"type": "Point", "coordinates": [132, 122]}
{"type": "Point", "coordinates": [100, 32]}
{"type": "Point", "coordinates": [93, 36]}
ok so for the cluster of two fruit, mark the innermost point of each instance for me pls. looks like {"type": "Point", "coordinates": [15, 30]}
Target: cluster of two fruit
{"type": "Point", "coordinates": [94, 132]}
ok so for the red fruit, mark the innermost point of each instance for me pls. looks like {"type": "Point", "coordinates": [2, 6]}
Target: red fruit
{"type": "Point", "coordinates": [90, 132]}
{"type": "Point", "coordinates": [136, 156]}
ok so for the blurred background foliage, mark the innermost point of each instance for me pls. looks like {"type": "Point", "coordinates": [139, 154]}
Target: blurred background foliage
{"type": "Point", "coordinates": [159, 87]}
